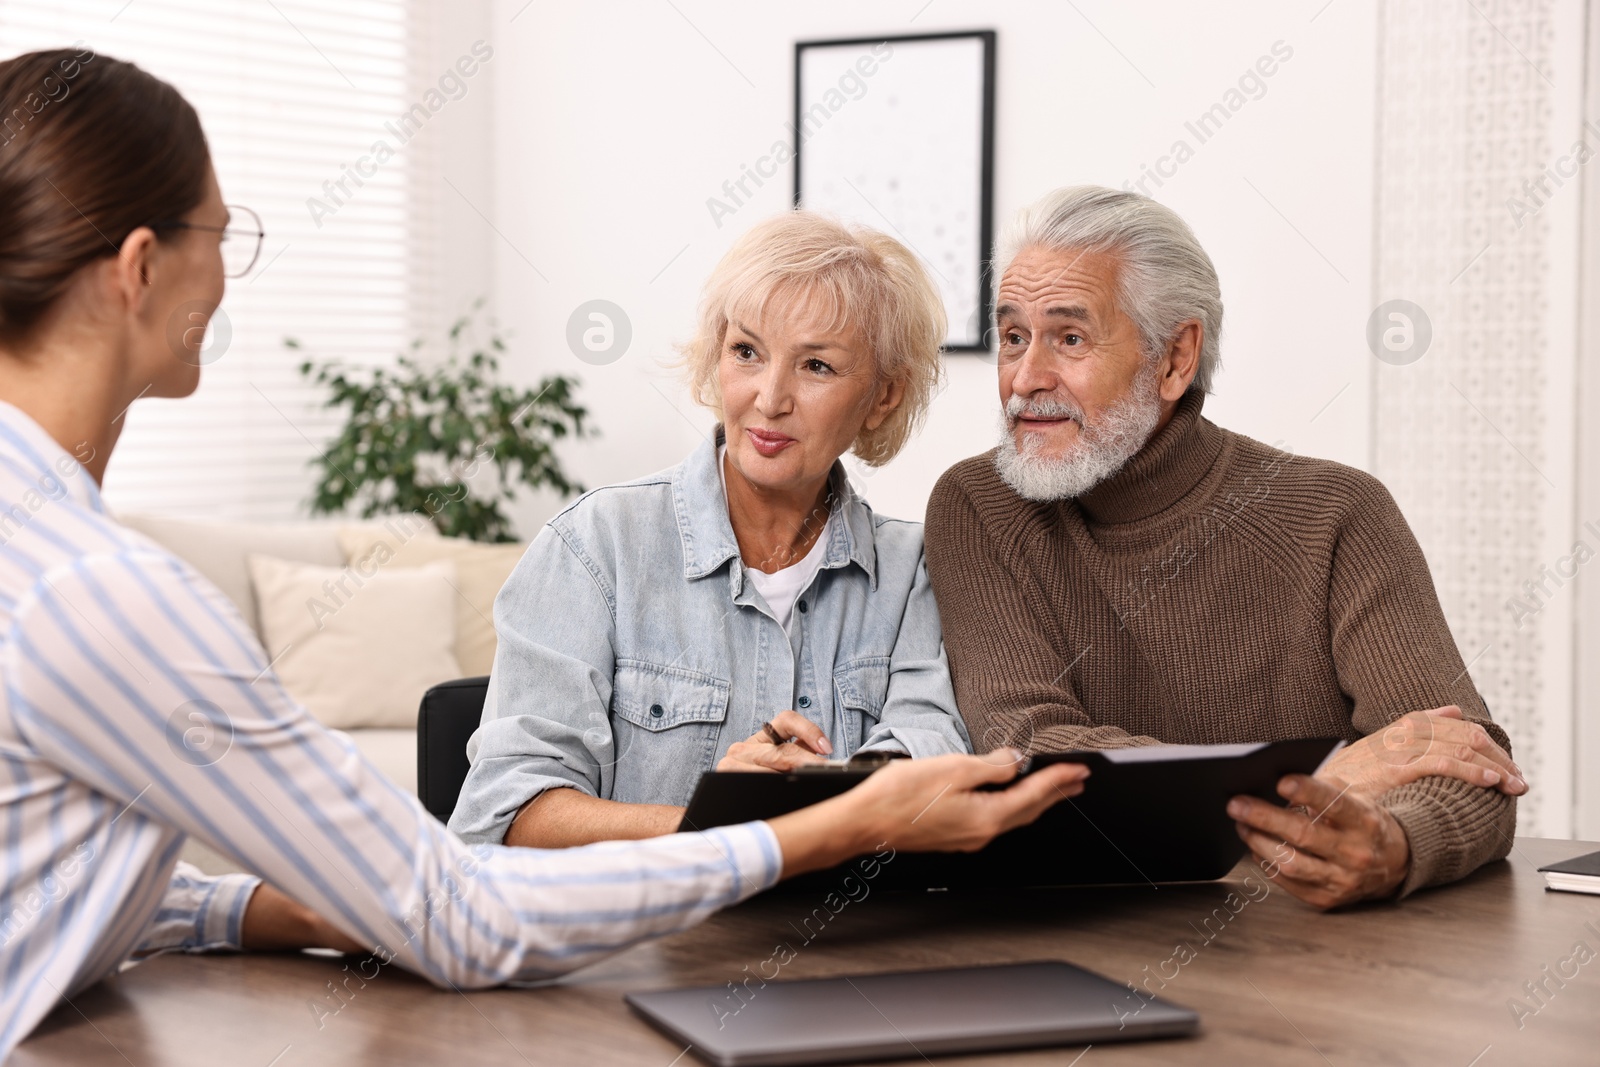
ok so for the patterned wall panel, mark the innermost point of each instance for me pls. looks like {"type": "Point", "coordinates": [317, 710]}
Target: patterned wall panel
{"type": "Point", "coordinates": [1458, 428]}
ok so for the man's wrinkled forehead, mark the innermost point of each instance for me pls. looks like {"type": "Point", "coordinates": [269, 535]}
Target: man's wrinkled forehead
{"type": "Point", "coordinates": [1066, 283]}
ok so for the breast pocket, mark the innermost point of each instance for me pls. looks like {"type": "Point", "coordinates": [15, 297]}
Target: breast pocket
{"type": "Point", "coordinates": [666, 722]}
{"type": "Point", "coordinates": [860, 688]}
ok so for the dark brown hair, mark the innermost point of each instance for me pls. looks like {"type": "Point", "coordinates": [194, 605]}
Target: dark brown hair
{"type": "Point", "coordinates": [91, 148]}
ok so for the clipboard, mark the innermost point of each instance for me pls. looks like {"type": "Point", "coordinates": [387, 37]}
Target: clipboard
{"type": "Point", "coordinates": [1146, 816]}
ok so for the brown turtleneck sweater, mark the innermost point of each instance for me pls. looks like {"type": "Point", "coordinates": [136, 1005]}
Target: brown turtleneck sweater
{"type": "Point", "coordinates": [1213, 590]}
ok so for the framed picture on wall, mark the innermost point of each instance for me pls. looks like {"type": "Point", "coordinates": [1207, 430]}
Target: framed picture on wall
{"type": "Point", "coordinates": [897, 133]}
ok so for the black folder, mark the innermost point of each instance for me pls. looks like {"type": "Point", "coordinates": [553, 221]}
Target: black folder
{"type": "Point", "coordinates": [1581, 874]}
{"type": "Point", "coordinates": [1588, 864]}
{"type": "Point", "coordinates": [1146, 816]}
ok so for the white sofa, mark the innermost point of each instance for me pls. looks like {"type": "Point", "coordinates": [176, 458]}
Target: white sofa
{"type": "Point", "coordinates": [218, 550]}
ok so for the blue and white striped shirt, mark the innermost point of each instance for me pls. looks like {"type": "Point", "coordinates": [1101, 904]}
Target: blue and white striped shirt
{"type": "Point", "coordinates": [138, 709]}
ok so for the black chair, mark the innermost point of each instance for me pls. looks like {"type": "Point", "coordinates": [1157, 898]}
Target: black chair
{"type": "Point", "coordinates": [450, 712]}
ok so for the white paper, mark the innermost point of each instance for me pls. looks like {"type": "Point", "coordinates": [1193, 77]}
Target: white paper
{"type": "Point", "coordinates": [1167, 753]}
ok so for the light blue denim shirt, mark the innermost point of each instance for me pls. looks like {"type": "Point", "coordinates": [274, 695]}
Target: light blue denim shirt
{"type": "Point", "coordinates": [633, 652]}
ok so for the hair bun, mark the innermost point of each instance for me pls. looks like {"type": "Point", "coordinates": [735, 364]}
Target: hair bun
{"type": "Point", "coordinates": [93, 148]}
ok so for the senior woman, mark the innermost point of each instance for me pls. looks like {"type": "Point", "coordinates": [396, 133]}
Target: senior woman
{"type": "Point", "coordinates": [744, 609]}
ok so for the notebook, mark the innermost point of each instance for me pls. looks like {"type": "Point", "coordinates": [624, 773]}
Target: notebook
{"type": "Point", "coordinates": [1581, 874]}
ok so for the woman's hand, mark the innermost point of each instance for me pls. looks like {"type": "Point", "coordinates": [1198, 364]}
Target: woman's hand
{"type": "Point", "coordinates": [806, 743]}
{"type": "Point", "coordinates": [273, 923]}
{"type": "Point", "coordinates": [1438, 742]}
{"type": "Point", "coordinates": [938, 804]}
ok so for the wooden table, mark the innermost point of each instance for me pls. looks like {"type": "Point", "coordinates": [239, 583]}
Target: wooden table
{"type": "Point", "coordinates": [1428, 981]}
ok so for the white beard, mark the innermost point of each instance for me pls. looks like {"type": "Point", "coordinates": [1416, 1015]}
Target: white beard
{"type": "Point", "coordinates": [1102, 448]}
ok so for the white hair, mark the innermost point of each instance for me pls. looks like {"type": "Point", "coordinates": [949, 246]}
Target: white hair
{"type": "Point", "coordinates": [1103, 446]}
{"type": "Point", "coordinates": [1166, 277]}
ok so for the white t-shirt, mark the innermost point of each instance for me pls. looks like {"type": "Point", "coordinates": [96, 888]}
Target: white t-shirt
{"type": "Point", "coordinates": [781, 589]}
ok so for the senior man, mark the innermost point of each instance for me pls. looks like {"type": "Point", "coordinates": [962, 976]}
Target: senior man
{"type": "Point", "coordinates": [1121, 571]}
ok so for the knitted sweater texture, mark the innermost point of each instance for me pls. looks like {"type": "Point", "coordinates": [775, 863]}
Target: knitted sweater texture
{"type": "Point", "coordinates": [1214, 590]}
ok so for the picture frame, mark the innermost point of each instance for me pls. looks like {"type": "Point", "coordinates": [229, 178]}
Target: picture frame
{"type": "Point", "coordinates": [907, 149]}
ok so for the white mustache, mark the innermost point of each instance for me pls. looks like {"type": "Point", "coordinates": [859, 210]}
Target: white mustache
{"type": "Point", "coordinates": [1042, 408]}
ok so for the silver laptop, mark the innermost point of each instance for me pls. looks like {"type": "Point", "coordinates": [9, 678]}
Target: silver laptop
{"type": "Point", "coordinates": [908, 1014]}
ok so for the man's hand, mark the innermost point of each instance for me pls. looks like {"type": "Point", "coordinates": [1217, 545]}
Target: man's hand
{"type": "Point", "coordinates": [274, 922]}
{"type": "Point", "coordinates": [927, 805]}
{"type": "Point", "coordinates": [1335, 847]}
{"type": "Point", "coordinates": [1421, 744]}
{"type": "Point", "coordinates": [806, 743]}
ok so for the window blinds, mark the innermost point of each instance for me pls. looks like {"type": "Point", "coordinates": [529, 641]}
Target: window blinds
{"type": "Point", "coordinates": [292, 95]}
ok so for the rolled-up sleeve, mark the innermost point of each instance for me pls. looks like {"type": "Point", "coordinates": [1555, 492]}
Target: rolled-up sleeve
{"type": "Point", "coordinates": [919, 712]}
{"type": "Point", "coordinates": [200, 912]}
{"type": "Point", "coordinates": [546, 722]}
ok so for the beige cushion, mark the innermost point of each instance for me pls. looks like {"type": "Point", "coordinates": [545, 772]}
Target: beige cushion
{"type": "Point", "coordinates": [480, 572]}
{"type": "Point", "coordinates": [394, 752]}
{"type": "Point", "coordinates": [217, 548]}
{"type": "Point", "coordinates": [358, 648]}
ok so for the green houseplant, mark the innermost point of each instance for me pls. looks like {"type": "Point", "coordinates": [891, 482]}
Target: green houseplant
{"type": "Point", "coordinates": [416, 436]}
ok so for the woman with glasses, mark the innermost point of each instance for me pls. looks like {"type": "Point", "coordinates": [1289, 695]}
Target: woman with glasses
{"type": "Point", "coordinates": [240, 242]}
{"type": "Point", "coordinates": [137, 708]}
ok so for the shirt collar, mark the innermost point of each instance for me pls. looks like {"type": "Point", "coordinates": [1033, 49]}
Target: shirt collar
{"type": "Point", "coordinates": [701, 509]}
{"type": "Point", "coordinates": [26, 444]}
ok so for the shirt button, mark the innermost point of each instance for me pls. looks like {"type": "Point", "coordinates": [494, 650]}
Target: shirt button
{"type": "Point", "coordinates": [656, 712]}
{"type": "Point", "coordinates": [804, 702]}
{"type": "Point", "coordinates": [802, 607]}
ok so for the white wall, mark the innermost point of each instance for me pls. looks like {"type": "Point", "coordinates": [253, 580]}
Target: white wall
{"type": "Point", "coordinates": [452, 165]}
{"type": "Point", "coordinates": [615, 122]}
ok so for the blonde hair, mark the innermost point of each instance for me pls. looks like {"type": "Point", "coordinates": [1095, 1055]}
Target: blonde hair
{"type": "Point", "coordinates": [850, 276]}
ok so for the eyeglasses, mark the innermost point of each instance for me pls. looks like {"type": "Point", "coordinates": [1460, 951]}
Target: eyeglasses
{"type": "Point", "coordinates": [241, 245]}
